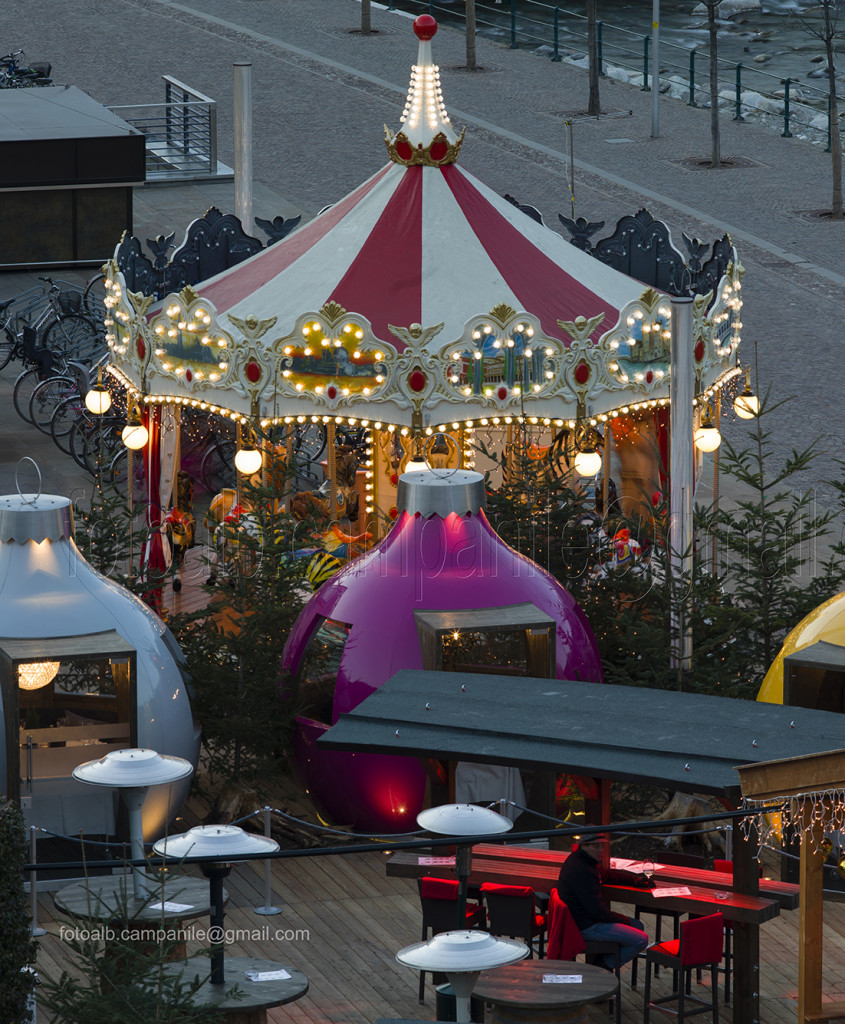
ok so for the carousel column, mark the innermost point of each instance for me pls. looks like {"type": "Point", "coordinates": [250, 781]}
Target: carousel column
{"type": "Point", "coordinates": [243, 143]}
{"type": "Point", "coordinates": [331, 469]}
{"type": "Point", "coordinates": [605, 471]}
{"type": "Point", "coordinates": [373, 489]}
{"type": "Point", "coordinates": [681, 479]}
{"type": "Point", "coordinates": [717, 402]}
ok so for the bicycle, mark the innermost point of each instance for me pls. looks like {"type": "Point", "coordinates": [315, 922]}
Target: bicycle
{"type": "Point", "coordinates": [55, 316]}
{"type": "Point", "coordinates": [13, 75]}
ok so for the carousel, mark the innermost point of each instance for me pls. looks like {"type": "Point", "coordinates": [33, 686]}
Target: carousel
{"type": "Point", "coordinates": [432, 319]}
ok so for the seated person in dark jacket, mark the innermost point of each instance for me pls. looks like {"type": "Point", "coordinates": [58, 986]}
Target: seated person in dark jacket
{"type": "Point", "coordinates": [579, 886]}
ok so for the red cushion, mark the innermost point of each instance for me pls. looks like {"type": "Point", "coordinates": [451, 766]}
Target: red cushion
{"type": "Point", "coordinates": [493, 889]}
{"type": "Point", "coordinates": [438, 889]}
{"type": "Point", "coordinates": [539, 921]}
{"type": "Point", "coordinates": [670, 948]}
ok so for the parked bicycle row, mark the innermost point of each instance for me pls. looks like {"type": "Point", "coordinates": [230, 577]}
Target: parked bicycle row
{"type": "Point", "coordinates": [16, 73]}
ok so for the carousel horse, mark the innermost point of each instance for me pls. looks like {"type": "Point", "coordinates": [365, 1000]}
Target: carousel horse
{"type": "Point", "coordinates": [308, 506]}
{"type": "Point", "coordinates": [180, 525]}
{"type": "Point", "coordinates": [226, 518]}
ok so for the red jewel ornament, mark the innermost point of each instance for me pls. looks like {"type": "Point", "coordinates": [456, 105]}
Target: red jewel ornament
{"type": "Point", "coordinates": [502, 394]}
{"type": "Point", "coordinates": [140, 347]}
{"type": "Point", "coordinates": [394, 512]}
{"type": "Point", "coordinates": [394, 479]}
{"type": "Point", "coordinates": [438, 150]}
{"type": "Point", "coordinates": [699, 351]}
{"type": "Point", "coordinates": [649, 377]}
{"type": "Point", "coordinates": [582, 373]}
{"type": "Point", "coordinates": [189, 376]}
{"type": "Point", "coordinates": [331, 392]}
{"type": "Point", "coordinates": [253, 372]}
{"type": "Point", "coordinates": [404, 149]}
{"type": "Point", "coordinates": [425, 27]}
{"type": "Point", "coordinates": [417, 380]}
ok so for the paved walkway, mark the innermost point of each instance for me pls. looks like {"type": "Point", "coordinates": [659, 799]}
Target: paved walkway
{"type": "Point", "coordinates": [322, 93]}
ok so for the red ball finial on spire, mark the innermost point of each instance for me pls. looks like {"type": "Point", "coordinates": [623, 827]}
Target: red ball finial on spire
{"type": "Point", "coordinates": [425, 27]}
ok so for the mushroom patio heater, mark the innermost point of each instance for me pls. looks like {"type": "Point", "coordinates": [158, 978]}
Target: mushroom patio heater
{"type": "Point", "coordinates": [462, 956]}
{"type": "Point", "coordinates": [133, 772]}
{"type": "Point", "coordinates": [214, 844]}
{"type": "Point", "coordinates": [463, 820]}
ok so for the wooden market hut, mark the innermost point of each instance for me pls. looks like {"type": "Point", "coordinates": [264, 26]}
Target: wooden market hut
{"type": "Point", "coordinates": [679, 741]}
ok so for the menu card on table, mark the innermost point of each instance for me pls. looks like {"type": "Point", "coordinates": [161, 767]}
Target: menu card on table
{"type": "Point", "coordinates": [429, 861]}
{"type": "Point", "coordinates": [562, 979]}
{"type": "Point", "coordinates": [679, 890]}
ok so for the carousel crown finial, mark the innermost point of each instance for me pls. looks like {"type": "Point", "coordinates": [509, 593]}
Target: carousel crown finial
{"type": "Point", "coordinates": [428, 136]}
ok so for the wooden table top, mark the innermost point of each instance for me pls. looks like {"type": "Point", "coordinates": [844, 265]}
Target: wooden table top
{"type": "Point", "coordinates": [543, 878]}
{"type": "Point", "coordinates": [113, 898]}
{"type": "Point", "coordinates": [785, 893]}
{"type": "Point", "coordinates": [522, 984]}
{"type": "Point", "coordinates": [252, 995]}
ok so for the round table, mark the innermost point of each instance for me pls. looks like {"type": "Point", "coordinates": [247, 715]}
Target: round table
{"type": "Point", "coordinates": [255, 997]}
{"type": "Point", "coordinates": [113, 899]}
{"type": "Point", "coordinates": [519, 995]}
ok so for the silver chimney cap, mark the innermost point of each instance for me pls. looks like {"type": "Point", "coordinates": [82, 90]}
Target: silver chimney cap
{"type": "Point", "coordinates": [35, 517]}
{"type": "Point", "coordinates": [441, 492]}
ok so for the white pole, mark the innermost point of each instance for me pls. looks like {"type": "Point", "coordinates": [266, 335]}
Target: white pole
{"type": "Point", "coordinates": [134, 798]}
{"type": "Point", "coordinates": [243, 143]}
{"type": "Point", "coordinates": [655, 69]}
{"type": "Point", "coordinates": [268, 909]}
{"type": "Point", "coordinates": [681, 475]}
{"type": "Point", "coordinates": [33, 883]}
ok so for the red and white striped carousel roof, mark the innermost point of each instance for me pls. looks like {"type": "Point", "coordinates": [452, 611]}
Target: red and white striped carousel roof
{"type": "Point", "coordinates": [423, 244]}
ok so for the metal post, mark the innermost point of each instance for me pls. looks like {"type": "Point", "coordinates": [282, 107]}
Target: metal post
{"type": "Point", "coordinates": [513, 25]}
{"type": "Point", "coordinates": [786, 133]}
{"type": "Point", "coordinates": [463, 868]}
{"type": "Point", "coordinates": [738, 102]}
{"type": "Point", "coordinates": [33, 887]}
{"type": "Point", "coordinates": [600, 47]}
{"type": "Point", "coordinates": [212, 137]}
{"type": "Point", "coordinates": [681, 477]}
{"type": "Point", "coordinates": [645, 87]}
{"type": "Point", "coordinates": [216, 873]}
{"type": "Point", "coordinates": [655, 70]}
{"type": "Point", "coordinates": [133, 797]}
{"type": "Point", "coordinates": [243, 143]}
{"type": "Point", "coordinates": [268, 909]}
{"type": "Point", "coordinates": [556, 54]}
{"type": "Point", "coordinates": [691, 101]}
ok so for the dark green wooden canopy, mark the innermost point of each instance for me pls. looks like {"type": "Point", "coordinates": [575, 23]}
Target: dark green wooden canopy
{"type": "Point", "coordinates": [680, 741]}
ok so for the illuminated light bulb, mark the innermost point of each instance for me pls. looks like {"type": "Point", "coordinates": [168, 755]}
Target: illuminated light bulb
{"type": "Point", "coordinates": [746, 404]}
{"type": "Point", "coordinates": [587, 462]}
{"type": "Point", "coordinates": [35, 674]}
{"type": "Point", "coordinates": [248, 461]}
{"type": "Point", "coordinates": [98, 400]}
{"type": "Point", "coordinates": [706, 437]}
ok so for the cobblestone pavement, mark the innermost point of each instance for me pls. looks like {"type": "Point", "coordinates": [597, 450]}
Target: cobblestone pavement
{"type": "Point", "coordinates": [322, 92]}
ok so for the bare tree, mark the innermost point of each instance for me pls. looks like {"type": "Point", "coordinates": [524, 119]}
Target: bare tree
{"type": "Point", "coordinates": [824, 28]}
{"type": "Point", "coordinates": [594, 103]}
{"type": "Point", "coordinates": [470, 35]}
{"type": "Point", "coordinates": [715, 134]}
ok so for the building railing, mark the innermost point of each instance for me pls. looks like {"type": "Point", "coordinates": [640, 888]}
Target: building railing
{"type": "Point", "coordinates": [181, 133]}
{"type": "Point", "coordinates": [685, 73]}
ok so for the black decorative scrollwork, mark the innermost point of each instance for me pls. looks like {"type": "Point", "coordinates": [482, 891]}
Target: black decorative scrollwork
{"type": "Point", "coordinates": [642, 248]}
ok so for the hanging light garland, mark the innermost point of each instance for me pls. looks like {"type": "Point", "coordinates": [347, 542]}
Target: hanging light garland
{"type": "Point", "coordinates": [807, 815]}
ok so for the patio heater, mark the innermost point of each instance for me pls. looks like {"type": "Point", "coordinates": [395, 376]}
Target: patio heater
{"type": "Point", "coordinates": [463, 820]}
{"type": "Point", "coordinates": [214, 844]}
{"type": "Point", "coordinates": [462, 956]}
{"type": "Point", "coordinates": [133, 772]}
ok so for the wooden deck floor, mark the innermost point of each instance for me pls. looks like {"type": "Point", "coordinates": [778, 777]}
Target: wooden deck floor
{"type": "Point", "coordinates": [343, 920]}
